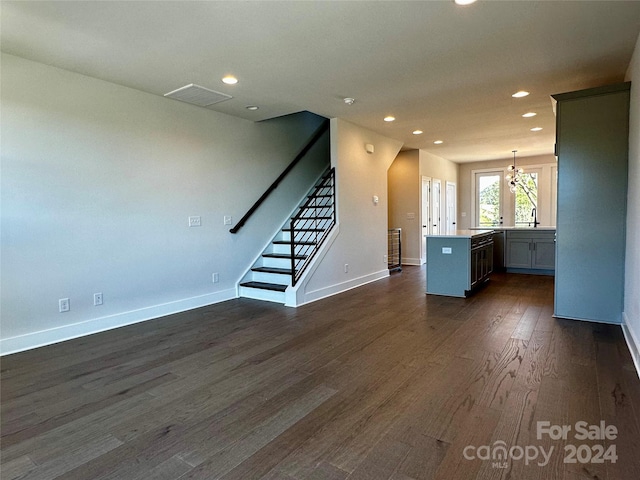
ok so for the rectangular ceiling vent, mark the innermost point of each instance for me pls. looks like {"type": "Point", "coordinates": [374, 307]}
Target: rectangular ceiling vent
{"type": "Point", "coordinates": [197, 95]}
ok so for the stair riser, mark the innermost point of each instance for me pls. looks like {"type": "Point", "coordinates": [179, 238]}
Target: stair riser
{"type": "Point", "coordinates": [271, 278]}
{"type": "Point", "coordinates": [260, 294]}
{"type": "Point", "coordinates": [308, 223]}
{"type": "Point", "coordinates": [276, 262]}
{"type": "Point", "coordinates": [286, 248]}
{"type": "Point", "coordinates": [302, 236]}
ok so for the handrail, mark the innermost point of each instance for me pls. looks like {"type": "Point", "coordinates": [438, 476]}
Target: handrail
{"type": "Point", "coordinates": [316, 136]}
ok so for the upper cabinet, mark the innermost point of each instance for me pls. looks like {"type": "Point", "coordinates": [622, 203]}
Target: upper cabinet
{"type": "Point", "coordinates": [592, 138]}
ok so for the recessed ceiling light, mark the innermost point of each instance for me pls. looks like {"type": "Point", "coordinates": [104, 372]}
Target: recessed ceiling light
{"type": "Point", "coordinates": [464, 2]}
{"type": "Point", "coordinates": [230, 80]}
{"type": "Point", "coordinates": [349, 100]}
{"type": "Point", "coordinates": [536, 129]}
{"type": "Point", "coordinates": [520, 94]}
{"type": "Point", "coordinates": [529, 114]}
{"type": "Point", "coordinates": [418, 132]}
{"type": "Point", "coordinates": [438, 142]}
{"type": "Point", "coordinates": [389, 118]}
{"type": "Point", "coordinates": [252, 107]}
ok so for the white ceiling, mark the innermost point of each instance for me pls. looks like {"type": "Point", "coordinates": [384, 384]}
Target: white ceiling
{"type": "Point", "coordinates": [444, 69]}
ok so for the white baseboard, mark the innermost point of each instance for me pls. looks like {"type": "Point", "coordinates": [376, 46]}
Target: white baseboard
{"type": "Point", "coordinates": [325, 292]}
{"type": "Point", "coordinates": [411, 261]}
{"type": "Point", "coordinates": [633, 342]}
{"type": "Point", "coordinates": [96, 325]}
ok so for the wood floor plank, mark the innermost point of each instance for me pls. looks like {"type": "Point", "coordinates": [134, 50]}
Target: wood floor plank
{"type": "Point", "coordinates": [382, 381]}
{"type": "Point", "coordinates": [232, 456]}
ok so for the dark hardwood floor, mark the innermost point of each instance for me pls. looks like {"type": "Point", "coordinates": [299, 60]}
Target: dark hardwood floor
{"type": "Point", "coordinates": [381, 382]}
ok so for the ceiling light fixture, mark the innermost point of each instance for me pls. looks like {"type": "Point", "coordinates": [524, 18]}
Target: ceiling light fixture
{"type": "Point", "coordinates": [520, 94]}
{"type": "Point", "coordinates": [514, 175]}
{"type": "Point", "coordinates": [349, 100]}
{"type": "Point", "coordinates": [438, 142]}
{"type": "Point", "coordinates": [252, 107]}
{"type": "Point", "coordinates": [529, 114]}
{"type": "Point", "coordinates": [418, 132]}
{"type": "Point", "coordinates": [230, 80]}
{"type": "Point", "coordinates": [536, 129]}
{"type": "Point", "coordinates": [389, 118]}
{"type": "Point", "coordinates": [464, 2]}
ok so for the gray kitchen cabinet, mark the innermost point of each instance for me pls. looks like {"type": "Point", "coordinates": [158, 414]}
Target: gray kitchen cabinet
{"type": "Point", "coordinates": [592, 135]}
{"type": "Point", "coordinates": [530, 250]}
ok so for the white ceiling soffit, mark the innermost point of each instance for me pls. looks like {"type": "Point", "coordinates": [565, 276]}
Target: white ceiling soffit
{"type": "Point", "coordinates": [197, 95]}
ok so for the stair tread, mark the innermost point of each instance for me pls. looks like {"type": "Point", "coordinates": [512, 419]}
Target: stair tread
{"type": "Point", "coordinates": [265, 286]}
{"type": "Point", "coordinates": [288, 229]}
{"type": "Point", "coordinates": [283, 255]}
{"type": "Point", "coordinates": [283, 271]}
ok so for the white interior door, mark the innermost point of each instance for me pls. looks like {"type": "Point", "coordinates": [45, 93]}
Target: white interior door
{"type": "Point", "coordinates": [450, 208]}
{"type": "Point", "coordinates": [426, 217]}
{"type": "Point", "coordinates": [436, 189]}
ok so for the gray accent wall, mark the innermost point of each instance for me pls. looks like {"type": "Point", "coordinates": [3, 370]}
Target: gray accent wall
{"type": "Point", "coordinates": [592, 143]}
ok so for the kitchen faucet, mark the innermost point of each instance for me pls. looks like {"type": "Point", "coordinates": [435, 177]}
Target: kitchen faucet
{"type": "Point", "coordinates": [534, 214]}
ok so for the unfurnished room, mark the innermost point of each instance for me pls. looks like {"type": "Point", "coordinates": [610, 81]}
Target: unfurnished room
{"type": "Point", "coordinates": [320, 240]}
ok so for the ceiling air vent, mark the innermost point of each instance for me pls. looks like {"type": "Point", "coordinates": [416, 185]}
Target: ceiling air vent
{"type": "Point", "coordinates": [197, 95]}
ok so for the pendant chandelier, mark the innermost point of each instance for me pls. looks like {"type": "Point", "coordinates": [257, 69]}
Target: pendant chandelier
{"type": "Point", "coordinates": [514, 175]}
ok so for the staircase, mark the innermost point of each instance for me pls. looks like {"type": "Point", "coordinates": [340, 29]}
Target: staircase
{"type": "Point", "coordinates": [284, 261]}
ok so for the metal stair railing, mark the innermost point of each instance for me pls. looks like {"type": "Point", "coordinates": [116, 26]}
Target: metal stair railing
{"type": "Point", "coordinates": [394, 251]}
{"type": "Point", "coordinates": [312, 224]}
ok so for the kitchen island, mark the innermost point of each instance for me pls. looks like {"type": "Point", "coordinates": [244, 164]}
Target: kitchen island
{"type": "Point", "coordinates": [458, 264]}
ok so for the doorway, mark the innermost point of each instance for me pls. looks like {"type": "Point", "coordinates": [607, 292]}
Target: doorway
{"type": "Point", "coordinates": [450, 208]}
{"type": "Point", "coordinates": [425, 209]}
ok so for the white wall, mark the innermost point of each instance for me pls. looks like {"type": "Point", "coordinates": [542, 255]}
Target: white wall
{"type": "Point", "coordinates": [97, 183]}
{"type": "Point", "coordinates": [631, 313]}
{"type": "Point", "coordinates": [362, 239]}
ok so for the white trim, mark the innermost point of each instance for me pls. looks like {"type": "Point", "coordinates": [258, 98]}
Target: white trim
{"type": "Point", "coordinates": [96, 325]}
{"type": "Point", "coordinates": [343, 287]}
{"type": "Point", "coordinates": [632, 342]}
{"type": "Point", "coordinates": [411, 261]}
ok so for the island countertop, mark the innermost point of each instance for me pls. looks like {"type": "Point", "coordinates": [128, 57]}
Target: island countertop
{"type": "Point", "coordinates": [462, 234]}
{"type": "Point", "coordinates": [517, 229]}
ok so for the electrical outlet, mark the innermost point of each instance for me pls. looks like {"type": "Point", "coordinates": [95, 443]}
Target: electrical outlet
{"type": "Point", "coordinates": [97, 299]}
{"type": "Point", "coordinates": [195, 221]}
{"type": "Point", "coordinates": [346, 268]}
{"type": "Point", "coordinates": [215, 277]}
{"type": "Point", "coordinates": [64, 305]}
{"type": "Point", "coordinates": [228, 219]}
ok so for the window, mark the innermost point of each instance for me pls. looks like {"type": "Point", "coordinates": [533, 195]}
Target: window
{"type": "Point", "coordinates": [494, 206]}
{"type": "Point", "coordinates": [488, 205]}
{"type": "Point", "coordinates": [526, 199]}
